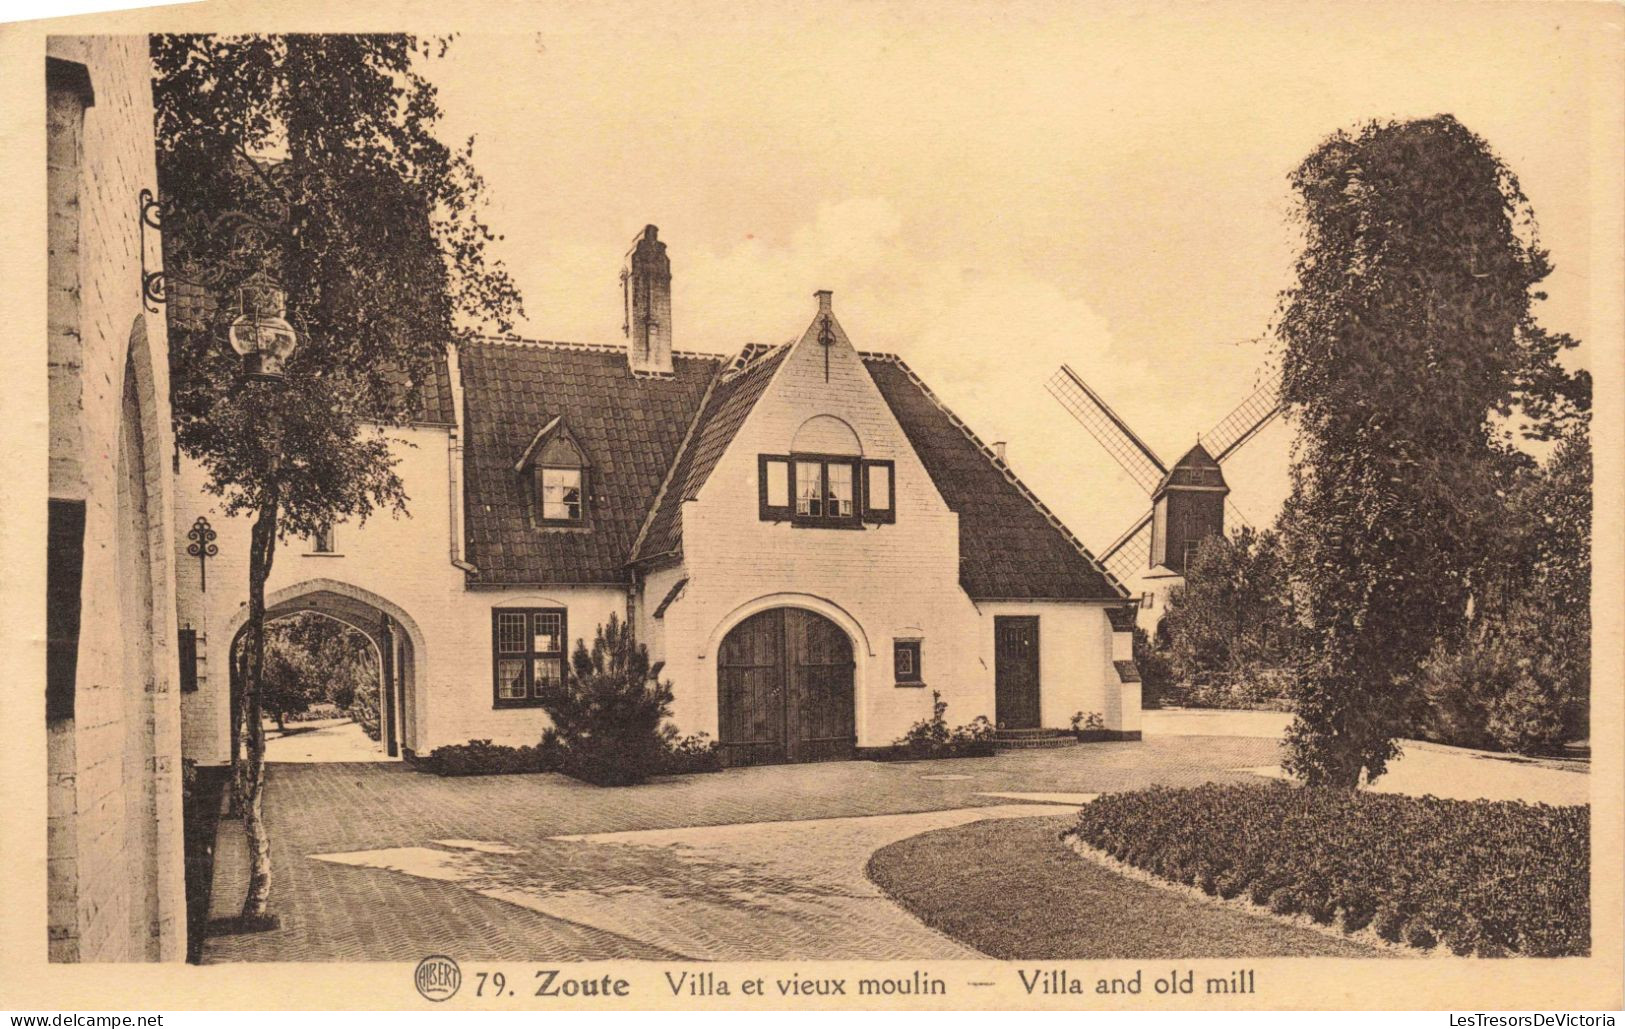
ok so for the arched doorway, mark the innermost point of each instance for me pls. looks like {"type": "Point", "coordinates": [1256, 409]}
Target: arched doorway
{"type": "Point", "coordinates": [395, 643]}
{"type": "Point", "coordinates": [785, 690]}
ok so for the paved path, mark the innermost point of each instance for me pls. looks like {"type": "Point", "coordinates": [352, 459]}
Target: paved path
{"type": "Point", "coordinates": [376, 861]}
{"type": "Point", "coordinates": [330, 739]}
{"type": "Point", "coordinates": [763, 891]}
{"type": "Point", "coordinates": [1422, 768]}
{"type": "Point", "coordinates": [540, 867]}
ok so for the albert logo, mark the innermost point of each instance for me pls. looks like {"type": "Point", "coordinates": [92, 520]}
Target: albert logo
{"type": "Point", "coordinates": [438, 977]}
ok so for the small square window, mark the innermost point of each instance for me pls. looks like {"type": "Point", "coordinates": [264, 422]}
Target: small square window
{"type": "Point", "coordinates": [322, 541]}
{"type": "Point", "coordinates": [906, 662]}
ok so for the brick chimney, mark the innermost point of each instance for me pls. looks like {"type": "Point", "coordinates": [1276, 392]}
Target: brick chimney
{"type": "Point", "coordinates": [646, 291]}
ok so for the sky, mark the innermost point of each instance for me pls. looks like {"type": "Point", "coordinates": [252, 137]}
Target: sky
{"type": "Point", "coordinates": [990, 190]}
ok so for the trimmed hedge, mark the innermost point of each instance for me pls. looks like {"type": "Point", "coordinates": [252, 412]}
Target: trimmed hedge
{"type": "Point", "coordinates": [673, 755]}
{"type": "Point", "coordinates": [482, 757]}
{"type": "Point", "coordinates": [1489, 878]}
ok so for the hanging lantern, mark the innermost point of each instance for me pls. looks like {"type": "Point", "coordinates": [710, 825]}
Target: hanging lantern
{"type": "Point", "coordinates": [260, 332]}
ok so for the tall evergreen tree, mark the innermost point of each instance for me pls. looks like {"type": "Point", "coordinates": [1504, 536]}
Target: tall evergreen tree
{"type": "Point", "coordinates": [1408, 331]}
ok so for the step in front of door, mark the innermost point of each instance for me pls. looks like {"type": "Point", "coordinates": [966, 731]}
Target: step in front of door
{"type": "Point", "coordinates": [1033, 739]}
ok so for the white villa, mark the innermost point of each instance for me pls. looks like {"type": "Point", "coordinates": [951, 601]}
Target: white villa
{"type": "Point", "coordinates": [803, 534]}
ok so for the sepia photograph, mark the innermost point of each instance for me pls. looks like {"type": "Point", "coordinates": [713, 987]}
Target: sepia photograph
{"type": "Point", "coordinates": [888, 505]}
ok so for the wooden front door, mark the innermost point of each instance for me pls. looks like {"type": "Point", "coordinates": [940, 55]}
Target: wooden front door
{"type": "Point", "coordinates": [1015, 671]}
{"type": "Point", "coordinates": [784, 690]}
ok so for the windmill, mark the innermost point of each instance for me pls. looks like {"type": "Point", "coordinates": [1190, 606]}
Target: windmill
{"type": "Point", "coordinates": [1187, 500]}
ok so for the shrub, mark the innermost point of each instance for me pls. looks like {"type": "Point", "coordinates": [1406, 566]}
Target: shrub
{"type": "Point", "coordinates": [686, 755]}
{"type": "Point", "coordinates": [931, 737]}
{"type": "Point", "coordinates": [1418, 935]}
{"type": "Point", "coordinates": [1486, 878]}
{"type": "Point", "coordinates": [1155, 674]}
{"type": "Point", "coordinates": [1249, 689]}
{"type": "Point", "coordinates": [607, 712]}
{"type": "Point", "coordinates": [1519, 682]}
{"type": "Point", "coordinates": [1087, 723]}
{"type": "Point", "coordinates": [1388, 922]}
{"type": "Point", "coordinates": [1231, 884]}
{"type": "Point", "coordinates": [482, 757]}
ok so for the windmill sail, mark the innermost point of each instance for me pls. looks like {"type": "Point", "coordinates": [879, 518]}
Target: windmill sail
{"type": "Point", "coordinates": [1242, 424]}
{"type": "Point", "coordinates": [1130, 553]}
{"type": "Point", "coordinates": [1110, 431]}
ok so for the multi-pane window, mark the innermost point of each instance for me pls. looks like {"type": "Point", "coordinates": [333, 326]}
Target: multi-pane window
{"type": "Point", "coordinates": [527, 653]}
{"type": "Point", "coordinates": [561, 494]}
{"type": "Point", "coordinates": [828, 491]}
{"type": "Point", "coordinates": [906, 662]}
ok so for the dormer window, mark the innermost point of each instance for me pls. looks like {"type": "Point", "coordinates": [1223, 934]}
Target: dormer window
{"type": "Point", "coordinates": [556, 474]}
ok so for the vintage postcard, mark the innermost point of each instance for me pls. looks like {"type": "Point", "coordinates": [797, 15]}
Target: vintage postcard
{"type": "Point", "coordinates": [903, 505]}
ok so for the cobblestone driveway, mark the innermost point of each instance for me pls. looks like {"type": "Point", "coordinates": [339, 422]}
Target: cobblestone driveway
{"type": "Point", "coordinates": [379, 862]}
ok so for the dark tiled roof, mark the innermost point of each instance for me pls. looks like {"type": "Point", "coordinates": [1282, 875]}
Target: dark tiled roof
{"type": "Point", "coordinates": [1010, 546]}
{"type": "Point", "coordinates": [1126, 671]}
{"type": "Point", "coordinates": [731, 400]}
{"type": "Point", "coordinates": [629, 427]}
{"type": "Point", "coordinates": [1196, 468]}
{"type": "Point", "coordinates": [1122, 618]}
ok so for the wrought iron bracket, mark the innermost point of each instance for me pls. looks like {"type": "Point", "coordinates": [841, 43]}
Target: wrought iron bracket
{"type": "Point", "coordinates": [152, 282]}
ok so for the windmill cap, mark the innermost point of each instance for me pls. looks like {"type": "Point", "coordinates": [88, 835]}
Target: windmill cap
{"type": "Point", "coordinates": [1196, 470]}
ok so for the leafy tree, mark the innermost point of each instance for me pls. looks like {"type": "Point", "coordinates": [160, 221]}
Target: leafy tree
{"type": "Point", "coordinates": [289, 686]}
{"type": "Point", "coordinates": [310, 659]}
{"type": "Point", "coordinates": [313, 160]}
{"type": "Point", "coordinates": [1232, 616]}
{"type": "Point", "coordinates": [1408, 329]}
{"type": "Point", "coordinates": [1520, 678]}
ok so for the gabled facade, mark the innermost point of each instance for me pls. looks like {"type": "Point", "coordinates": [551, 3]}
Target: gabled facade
{"type": "Point", "coordinates": [803, 535]}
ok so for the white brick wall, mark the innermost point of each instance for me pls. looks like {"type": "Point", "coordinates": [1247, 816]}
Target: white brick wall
{"type": "Point", "coordinates": [405, 563]}
{"type": "Point", "coordinates": [114, 863]}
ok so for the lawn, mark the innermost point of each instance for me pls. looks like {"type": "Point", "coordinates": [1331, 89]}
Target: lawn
{"type": "Point", "coordinates": [1013, 890]}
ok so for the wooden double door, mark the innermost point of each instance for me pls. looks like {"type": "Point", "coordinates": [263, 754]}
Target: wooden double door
{"type": "Point", "coordinates": [785, 690]}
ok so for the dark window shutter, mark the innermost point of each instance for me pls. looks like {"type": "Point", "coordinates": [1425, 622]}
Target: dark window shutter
{"type": "Point", "coordinates": [872, 512]}
{"type": "Point", "coordinates": [767, 510]}
{"type": "Point", "coordinates": [188, 650]}
{"type": "Point", "coordinates": [64, 574]}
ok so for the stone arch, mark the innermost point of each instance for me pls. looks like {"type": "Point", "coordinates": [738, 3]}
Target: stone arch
{"type": "Point", "coordinates": [826, 434]}
{"type": "Point", "coordinates": [355, 606]}
{"type": "Point", "coordinates": [818, 605]}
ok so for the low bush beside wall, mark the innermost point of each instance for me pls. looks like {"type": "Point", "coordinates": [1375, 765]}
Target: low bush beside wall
{"type": "Point", "coordinates": [482, 757]}
{"type": "Point", "coordinates": [1488, 878]}
{"type": "Point", "coordinates": [932, 738]}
